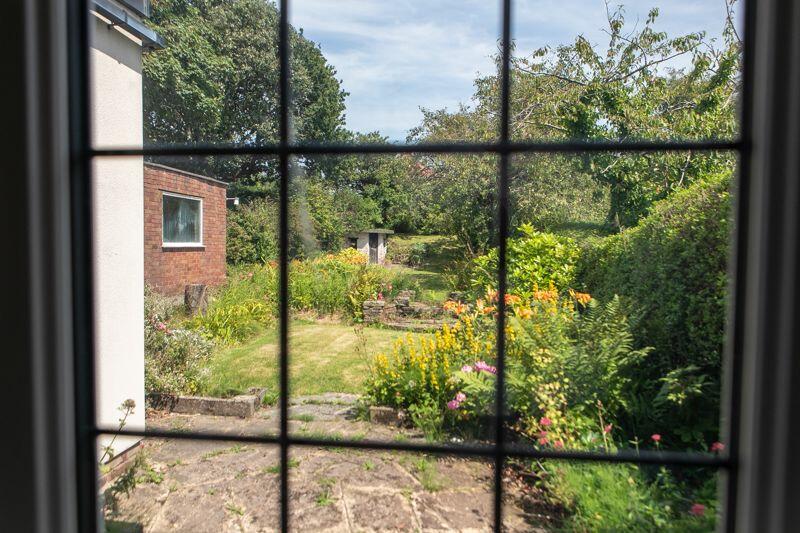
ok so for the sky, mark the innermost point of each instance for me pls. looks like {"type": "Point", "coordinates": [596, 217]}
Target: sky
{"type": "Point", "coordinates": [395, 56]}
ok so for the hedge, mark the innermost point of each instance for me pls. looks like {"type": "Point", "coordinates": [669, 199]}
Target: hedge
{"type": "Point", "coordinates": [672, 270]}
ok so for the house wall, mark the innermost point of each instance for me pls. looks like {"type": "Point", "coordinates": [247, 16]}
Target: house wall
{"type": "Point", "coordinates": [118, 218]}
{"type": "Point", "coordinates": [169, 270]}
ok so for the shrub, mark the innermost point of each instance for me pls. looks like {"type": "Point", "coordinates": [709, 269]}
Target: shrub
{"type": "Point", "coordinates": [673, 269]}
{"type": "Point", "coordinates": [535, 260]}
{"type": "Point", "coordinates": [232, 322]}
{"type": "Point", "coordinates": [622, 497]}
{"type": "Point", "coordinates": [253, 232]}
{"type": "Point", "coordinates": [328, 284]}
{"type": "Point", "coordinates": [564, 355]}
{"type": "Point", "coordinates": [174, 358]}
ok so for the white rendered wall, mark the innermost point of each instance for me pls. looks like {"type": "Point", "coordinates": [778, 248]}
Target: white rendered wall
{"type": "Point", "coordinates": [118, 188]}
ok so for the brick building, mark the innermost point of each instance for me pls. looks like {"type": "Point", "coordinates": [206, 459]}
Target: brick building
{"type": "Point", "coordinates": [184, 229]}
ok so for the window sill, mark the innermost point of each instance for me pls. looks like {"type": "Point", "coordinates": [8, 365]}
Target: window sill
{"type": "Point", "coordinates": [182, 247]}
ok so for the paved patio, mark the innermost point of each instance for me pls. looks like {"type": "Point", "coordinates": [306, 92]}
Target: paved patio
{"type": "Point", "coordinates": [224, 486]}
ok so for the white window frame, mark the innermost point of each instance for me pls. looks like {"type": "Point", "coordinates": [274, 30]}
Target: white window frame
{"type": "Point", "coordinates": [165, 244]}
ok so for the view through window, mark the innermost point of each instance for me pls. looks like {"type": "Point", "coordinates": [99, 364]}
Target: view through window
{"type": "Point", "coordinates": [413, 266]}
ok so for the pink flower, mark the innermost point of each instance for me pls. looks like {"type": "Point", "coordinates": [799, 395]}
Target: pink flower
{"type": "Point", "coordinates": [608, 428]}
{"type": "Point", "coordinates": [542, 433]}
{"type": "Point", "coordinates": [543, 441]}
{"type": "Point", "coordinates": [160, 326]}
{"type": "Point", "coordinates": [481, 366]}
{"type": "Point", "coordinates": [717, 447]}
{"type": "Point", "coordinates": [453, 405]}
{"type": "Point", "coordinates": [380, 296]}
{"type": "Point", "coordinates": [545, 422]}
{"type": "Point", "coordinates": [559, 444]}
{"type": "Point", "coordinates": [466, 368]}
{"type": "Point", "coordinates": [460, 397]}
{"type": "Point", "coordinates": [656, 437]}
{"type": "Point", "coordinates": [698, 509]}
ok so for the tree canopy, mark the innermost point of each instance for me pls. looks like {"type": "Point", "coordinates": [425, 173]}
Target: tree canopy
{"type": "Point", "coordinates": [643, 84]}
{"type": "Point", "coordinates": [217, 81]}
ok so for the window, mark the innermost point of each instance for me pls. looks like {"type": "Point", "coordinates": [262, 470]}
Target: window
{"type": "Point", "coordinates": [182, 226]}
{"type": "Point", "coordinates": [182, 220]}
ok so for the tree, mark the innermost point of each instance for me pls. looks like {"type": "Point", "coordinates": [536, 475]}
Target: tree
{"type": "Point", "coordinates": [633, 90]}
{"type": "Point", "coordinates": [217, 81]}
{"type": "Point", "coordinates": [630, 90]}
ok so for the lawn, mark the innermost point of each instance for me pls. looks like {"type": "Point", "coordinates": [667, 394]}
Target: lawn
{"type": "Point", "coordinates": [429, 276]}
{"type": "Point", "coordinates": [324, 357]}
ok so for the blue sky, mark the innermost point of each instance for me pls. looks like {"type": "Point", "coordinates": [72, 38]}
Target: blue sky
{"type": "Point", "coordinates": [395, 56]}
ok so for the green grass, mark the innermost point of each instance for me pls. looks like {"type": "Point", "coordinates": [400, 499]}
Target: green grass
{"type": "Point", "coordinates": [276, 468]}
{"type": "Point", "coordinates": [442, 252]}
{"type": "Point", "coordinates": [324, 357]}
{"type": "Point", "coordinates": [428, 474]}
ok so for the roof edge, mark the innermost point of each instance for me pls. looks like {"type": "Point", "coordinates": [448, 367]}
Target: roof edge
{"type": "Point", "coordinates": [187, 173]}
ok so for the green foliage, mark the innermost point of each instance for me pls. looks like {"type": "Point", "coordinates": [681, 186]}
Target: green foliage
{"type": "Point", "coordinates": [565, 356]}
{"type": "Point", "coordinates": [428, 417]}
{"type": "Point", "coordinates": [673, 269]}
{"type": "Point", "coordinates": [253, 233]}
{"type": "Point", "coordinates": [328, 284]}
{"type": "Point", "coordinates": [216, 81]}
{"type": "Point", "coordinates": [621, 497]}
{"type": "Point", "coordinates": [630, 89]}
{"type": "Point", "coordinates": [227, 322]}
{"type": "Point", "coordinates": [175, 358]}
{"type": "Point", "coordinates": [534, 261]}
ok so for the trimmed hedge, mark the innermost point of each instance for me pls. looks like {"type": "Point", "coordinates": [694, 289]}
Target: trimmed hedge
{"type": "Point", "coordinates": [672, 270]}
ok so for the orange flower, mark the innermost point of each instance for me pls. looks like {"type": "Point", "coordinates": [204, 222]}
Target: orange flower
{"type": "Point", "coordinates": [545, 296]}
{"type": "Point", "coordinates": [582, 298]}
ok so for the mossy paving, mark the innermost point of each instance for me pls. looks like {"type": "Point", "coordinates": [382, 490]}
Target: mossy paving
{"type": "Point", "coordinates": [222, 486]}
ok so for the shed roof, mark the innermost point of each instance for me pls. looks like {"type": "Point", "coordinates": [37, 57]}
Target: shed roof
{"type": "Point", "coordinates": [374, 230]}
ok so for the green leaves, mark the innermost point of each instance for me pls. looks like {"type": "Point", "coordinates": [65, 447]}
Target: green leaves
{"type": "Point", "coordinates": [535, 260]}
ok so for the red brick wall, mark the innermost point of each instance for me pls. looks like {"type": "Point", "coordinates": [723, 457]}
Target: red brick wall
{"type": "Point", "coordinates": [169, 270]}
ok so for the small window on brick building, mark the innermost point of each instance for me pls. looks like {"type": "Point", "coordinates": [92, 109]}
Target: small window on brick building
{"type": "Point", "coordinates": [182, 220]}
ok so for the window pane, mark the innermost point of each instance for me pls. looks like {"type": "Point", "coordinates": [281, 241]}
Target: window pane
{"type": "Point", "coordinates": [389, 322]}
{"type": "Point", "coordinates": [589, 496]}
{"type": "Point", "coordinates": [181, 220]}
{"type": "Point", "coordinates": [188, 485]}
{"type": "Point", "coordinates": [409, 71]}
{"type": "Point", "coordinates": [626, 71]}
{"type": "Point", "coordinates": [617, 280]}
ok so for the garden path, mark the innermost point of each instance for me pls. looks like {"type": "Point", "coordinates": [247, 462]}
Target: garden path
{"type": "Point", "coordinates": [190, 485]}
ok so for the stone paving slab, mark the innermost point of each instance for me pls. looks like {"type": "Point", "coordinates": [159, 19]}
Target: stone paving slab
{"type": "Point", "coordinates": [223, 486]}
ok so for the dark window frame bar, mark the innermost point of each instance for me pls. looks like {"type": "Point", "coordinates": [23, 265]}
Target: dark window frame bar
{"type": "Point", "coordinates": [82, 154]}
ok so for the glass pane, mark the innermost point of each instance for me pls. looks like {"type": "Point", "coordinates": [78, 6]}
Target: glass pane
{"type": "Point", "coordinates": [185, 485]}
{"type": "Point", "coordinates": [588, 496]}
{"type": "Point", "coordinates": [365, 490]}
{"type": "Point", "coordinates": [618, 281]}
{"type": "Point", "coordinates": [181, 220]}
{"type": "Point", "coordinates": [380, 331]}
{"type": "Point", "coordinates": [626, 71]}
{"type": "Point", "coordinates": [188, 73]}
{"type": "Point", "coordinates": [402, 71]}
{"type": "Point", "coordinates": [187, 333]}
